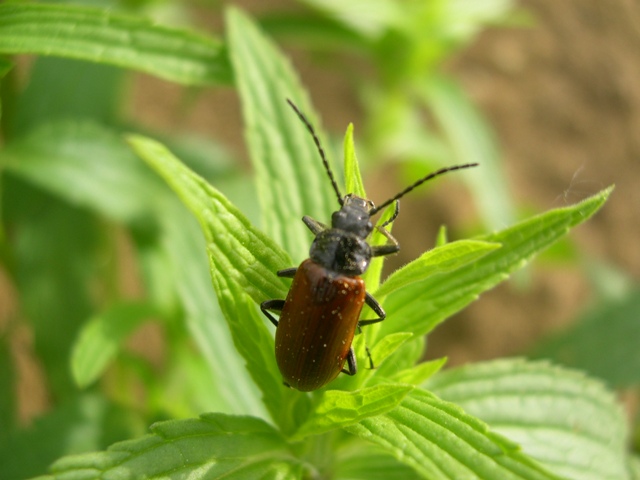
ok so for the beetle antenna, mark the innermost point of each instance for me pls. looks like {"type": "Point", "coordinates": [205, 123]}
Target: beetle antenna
{"type": "Point", "coordinates": [325, 162]}
{"type": "Point", "coordinates": [437, 173]}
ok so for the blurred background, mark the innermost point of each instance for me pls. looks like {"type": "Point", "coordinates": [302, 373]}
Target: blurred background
{"type": "Point", "coordinates": [544, 94]}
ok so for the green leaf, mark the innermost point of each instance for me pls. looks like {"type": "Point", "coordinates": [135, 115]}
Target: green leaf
{"type": "Point", "coordinates": [5, 67]}
{"type": "Point", "coordinates": [242, 252]}
{"type": "Point", "coordinates": [420, 373]}
{"type": "Point", "coordinates": [352, 175]}
{"type": "Point", "coordinates": [440, 441]}
{"type": "Point", "coordinates": [472, 141]}
{"type": "Point", "coordinates": [420, 306]}
{"type": "Point", "coordinates": [387, 346]}
{"type": "Point", "coordinates": [566, 421]}
{"type": "Point", "coordinates": [441, 238]}
{"type": "Point", "coordinates": [634, 467]}
{"type": "Point", "coordinates": [213, 446]}
{"type": "Point", "coordinates": [604, 342]}
{"type": "Point", "coordinates": [240, 256]}
{"type": "Point", "coordinates": [490, 12]}
{"type": "Point", "coordinates": [291, 180]}
{"type": "Point", "coordinates": [463, 19]}
{"type": "Point", "coordinates": [313, 32]}
{"type": "Point", "coordinates": [374, 273]}
{"type": "Point", "coordinates": [100, 339]}
{"type": "Point", "coordinates": [440, 260]}
{"type": "Point", "coordinates": [186, 250]}
{"type": "Point", "coordinates": [103, 36]}
{"type": "Point", "coordinates": [55, 259]}
{"type": "Point", "coordinates": [372, 463]}
{"type": "Point", "coordinates": [355, 186]}
{"type": "Point", "coordinates": [105, 175]}
{"type": "Point", "coordinates": [97, 94]}
{"type": "Point", "coordinates": [404, 358]}
{"type": "Point", "coordinates": [337, 408]}
{"type": "Point", "coordinates": [370, 18]}
{"type": "Point", "coordinates": [84, 424]}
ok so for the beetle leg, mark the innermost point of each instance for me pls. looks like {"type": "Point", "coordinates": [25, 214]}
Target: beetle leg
{"type": "Point", "coordinates": [371, 365]}
{"type": "Point", "coordinates": [396, 212]}
{"type": "Point", "coordinates": [392, 246]}
{"type": "Point", "coordinates": [375, 306]}
{"type": "Point", "coordinates": [287, 272]}
{"type": "Point", "coordinates": [277, 305]}
{"type": "Point", "coordinates": [351, 362]}
{"type": "Point", "coordinates": [315, 226]}
{"type": "Point", "coordinates": [387, 249]}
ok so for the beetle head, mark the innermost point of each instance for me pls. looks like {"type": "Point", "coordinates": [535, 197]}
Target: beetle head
{"type": "Point", "coordinates": [354, 216]}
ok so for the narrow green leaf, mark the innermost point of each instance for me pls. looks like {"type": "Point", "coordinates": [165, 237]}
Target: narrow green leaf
{"type": "Point", "coordinates": [239, 255]}
{"type": "Point", "coordinates": [242, 252]}
{"type": "Point", "coordinates": [370, 18]}
{"type": "Point", "coordinates": [387, 346]}
{"type": "Point", "coordinates": [604, 342]}
{"type": "Point", "coordinates": [440, 260]}
{"type": "Point", "coordinates": [99, 340]}
{"type": "Point", "coordinates": [568, 422]}
{"type": "Point", "coordinates": [420, 306]}
{"type": "Point", "coordinates": [472, 141]}
{"type": "Point", "coordinates": [103, 36]}
{"type": "Point", "coordinates": [441, 238]}
{"type": "Point", "coordinates": [182, 243]}
{"type": "Point", "coordinates": [337, 408]}
{"type": "Point", "coordinates": [404, 358]}
{"type": "Point", "coordinates": [420, 373]}
{"type": "Point", "coordinates": [374, 273]}
{"type": "Point", "coordinates": [213, 446]}
{"type": "Point", "coordinates": [463, 19]}
{"type": "Point", "coordinates": [352, 176]}
{"type": "Point", "coordinates": [312, 32]}
{"type": "Point", "coordinates": [440, 441]}
{"type": "Point", "coordinates": [355, 186]}
{"type": "Point", "coordinates": [290, 177]}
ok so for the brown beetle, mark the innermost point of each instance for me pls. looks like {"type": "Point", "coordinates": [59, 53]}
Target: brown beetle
{"type": "Point", "coordinates": [321, 313]}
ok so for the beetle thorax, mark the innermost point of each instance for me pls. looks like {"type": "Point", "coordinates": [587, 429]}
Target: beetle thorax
{"type": "Point", "coordinates": [340, 251]}
{"type": "Point", "coordinates": [343, 248]}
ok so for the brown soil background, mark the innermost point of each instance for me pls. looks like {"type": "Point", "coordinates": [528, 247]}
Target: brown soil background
{"type": "Point", "coordinates": [563, 97]}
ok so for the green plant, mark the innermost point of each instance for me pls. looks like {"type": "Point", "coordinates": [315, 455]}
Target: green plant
{"type": "Point", "coordinates": [68, 169]}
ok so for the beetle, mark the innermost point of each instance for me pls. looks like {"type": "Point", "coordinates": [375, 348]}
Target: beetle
{"type": "Point", "coordinates": [321, 313]}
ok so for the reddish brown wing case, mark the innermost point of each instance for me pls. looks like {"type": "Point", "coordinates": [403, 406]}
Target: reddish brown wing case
{"type": "Point", "coordinates": [317, 325]}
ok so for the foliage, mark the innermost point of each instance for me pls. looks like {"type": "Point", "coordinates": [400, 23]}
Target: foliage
{"type": "Point", "coordinates": [74, 184]}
